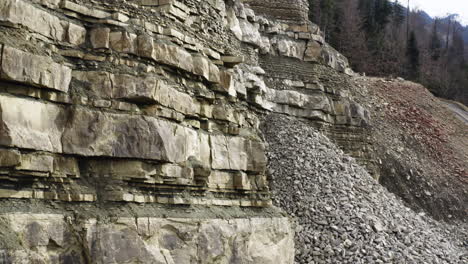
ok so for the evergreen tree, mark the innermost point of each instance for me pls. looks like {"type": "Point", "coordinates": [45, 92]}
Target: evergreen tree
{"type": "Point", "coordinates": [313, 9]}
{"type": "Point", "coordinates": [327, 8]}
{"type": "Point", "coordinates": [412, 54]}
{"type": "Point", "coordinates": [338, 27]}
{"type": "Point", "coordinates": [375, 15]}
{"type": "Point", "coordinates": [398, 14]}
{"type": "Point", "coordinates": [435, 44]}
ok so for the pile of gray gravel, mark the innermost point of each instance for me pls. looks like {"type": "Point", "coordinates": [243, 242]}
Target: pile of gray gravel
{"type": "Point", "coordinates": [342, 214]}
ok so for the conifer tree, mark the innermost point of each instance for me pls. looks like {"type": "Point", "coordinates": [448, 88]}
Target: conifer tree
{"type": "Point", "coordinates": [412, 54]}
{"type": "Point", "coordinates": [435, 44]}
{"type": "Point", "coordinates": [398, 14]}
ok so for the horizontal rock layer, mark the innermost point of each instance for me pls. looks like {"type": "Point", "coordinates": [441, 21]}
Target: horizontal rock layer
{"type": "Point", "coordinates": [156, 102]}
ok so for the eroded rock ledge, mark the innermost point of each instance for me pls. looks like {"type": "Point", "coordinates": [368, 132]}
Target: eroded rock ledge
{"type": "Point", "coordinates": [157, 102]}
{"type": "Point", "coordinates": [157, 97]}
{"type": "Point", "coordinates": [112, 233]}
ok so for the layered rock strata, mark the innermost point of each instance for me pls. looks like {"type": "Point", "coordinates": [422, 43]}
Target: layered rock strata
{"type": "Point", "coordinates": [157, 102]}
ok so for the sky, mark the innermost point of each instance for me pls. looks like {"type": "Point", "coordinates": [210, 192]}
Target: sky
{"type": "Point", "coordinates": [442, 7]}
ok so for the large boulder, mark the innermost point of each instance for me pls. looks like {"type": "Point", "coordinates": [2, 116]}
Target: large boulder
{"type": "Point", "coordinates": [20, 66]}
{"type": "Point", "coordinates": [95, 133]}
{"type": "Point", "coordinates": [18, 12]}
{"type": "Point", "coordinates": [31, 124]}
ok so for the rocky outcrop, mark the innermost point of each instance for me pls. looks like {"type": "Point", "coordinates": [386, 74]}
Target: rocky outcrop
{"type": "Point", "coordinates": [123, 102]}
{"type": "Point", "coordinates": [109, 84]}
{"type": "Point", "coordinates": [55, 238]}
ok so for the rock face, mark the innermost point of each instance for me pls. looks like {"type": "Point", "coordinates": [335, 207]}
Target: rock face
{"type": "Point", "coordinates": [180, 100]}
{"type": "Point", "coordinates": [119, 103]}
{"type": "Point", "coordinates": [54, 238]}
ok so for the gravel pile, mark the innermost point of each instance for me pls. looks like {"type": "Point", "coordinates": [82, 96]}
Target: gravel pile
{"type": "Point", "coordinates": [342, 214]}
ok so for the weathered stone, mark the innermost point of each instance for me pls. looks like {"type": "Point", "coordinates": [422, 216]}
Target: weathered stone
{"type": "Point", "coordinates": [250, 33]}
{"type": "Point", "coordinates": [100, 37]}
{"type": "Point", "coordinates": [98, 83]}
{"type": "Point", "coordinates": [212, 54]}
{"type": "Point", "coordinates": [206, 240]}
{"type": "Point", "coordinates": [123, 42]}
{"type": "Point", "coordinates": [232, 60]}
{"type": "Point", "coordinates": [37, 230]}
{"type": "Point", "coordinates": [174, 10]}
{"type": "Point", "coordinates": [241, 181]}
{"type": "Point", "coordinates": [300, 100]}
{"type": "Point", "coordinates": [220, 180]}
{"type": "Point", "coordinates": [173, 55]}
{"type": "Point", "coordinates": [36, 70]}
{"type": "Point", "coordinates": [83, 10]}
{"type": "Point", "coordinates": [233, 23]}
{"type": "Point", "coordinates": [201, 66]}
{"type": "Point", "coordinates": [227, 83]}
{"type": "Point", "coordinates": [176, 173]}
{"type": "Point", "coordinates": [257, 160]}
{"type": "Point", "coordinates": [100, 103]}
{"type": "Point", "coordinates": [65, 167]}
{"type": "Point", "coordinates": [153, 90]}
{"type": "Point", "coordinates": [49, 3]}
{"type": "Point", "coordinates": [290, 47]}
{"type": "Point", "coordinates": [121, 169]}
{"type": "Point", "coordinates": [93, 133]}
{"type": "Point", "coordinates": [204, 67]}
{"type": "Point", "coordinates": [76, 35]}
{"type": "Point", "coordinates": [36, 162]}
{"type": "Point", "coordinates": [220, 152]}
{"type": "Point", "coordinates": [224, 112]}
{"type": "Point", "coordinates": [313, 51]}
{"type": "Point", "coordinates": [31, 124]}
{"type": "Point", "coordinates": [120, 17]}
{"type": "Point", "coordinates": [21, 13]}
{"type": "Point", "coordinates": [174, 33]}
{"type": "Point", "coordinates": [145, 46]}
{"type": "Point", "coordinates": [9, 157]}
{"type": "Point", "coordinates": [135, 89]}
{"type": "Point", "coordinates": [149, 2]}
{"type": "Point", "coordinates": [229, 152]}
{"type": "Point", "coordinates": [214, 76]}
{"type": "Point", "coordinates": [334, 59]}
{"type": "Point", "coordinates": [172, 98]}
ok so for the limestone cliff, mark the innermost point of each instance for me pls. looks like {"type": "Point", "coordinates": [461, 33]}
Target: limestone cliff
{"type": "Point", "coordinates": [129, 130]}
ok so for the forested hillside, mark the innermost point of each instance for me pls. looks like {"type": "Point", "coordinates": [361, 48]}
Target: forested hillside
{"type": "Point", "coordinates": [384, 38]}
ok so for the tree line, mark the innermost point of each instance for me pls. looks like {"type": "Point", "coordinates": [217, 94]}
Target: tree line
{"type": "Point", "coordinates": [386, 38]}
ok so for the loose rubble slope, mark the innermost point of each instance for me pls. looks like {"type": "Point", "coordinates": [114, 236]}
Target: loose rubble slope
{"type": "Point", "coordinates": [343, 214]}
{"type": "Point", "coordinates": [421, 144]}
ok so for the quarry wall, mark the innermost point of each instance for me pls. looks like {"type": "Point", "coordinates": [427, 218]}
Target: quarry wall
{"type": "Point", "coordinates": [157, 102]}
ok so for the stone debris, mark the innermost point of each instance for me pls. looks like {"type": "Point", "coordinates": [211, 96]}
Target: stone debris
{"type": "Point", "coordinates": [342, 214]}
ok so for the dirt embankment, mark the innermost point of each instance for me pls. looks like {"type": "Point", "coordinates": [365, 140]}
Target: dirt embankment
{"type": "Point", "coordinates": [422, 146]}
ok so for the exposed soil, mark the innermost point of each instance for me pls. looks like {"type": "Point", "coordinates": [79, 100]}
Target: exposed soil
{"type": "Point", "coordinates": [421, 144]}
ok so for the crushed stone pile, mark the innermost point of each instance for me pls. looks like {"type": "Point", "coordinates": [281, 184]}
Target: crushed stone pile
{"type": "Point", "coordinates": [342, 214]}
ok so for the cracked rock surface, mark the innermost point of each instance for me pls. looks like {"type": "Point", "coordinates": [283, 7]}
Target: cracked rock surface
{"type": "Point", "coordinates": [343, 215]}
